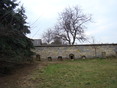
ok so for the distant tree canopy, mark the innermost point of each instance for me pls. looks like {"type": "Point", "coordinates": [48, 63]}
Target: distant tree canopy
{"type": "Point", "coordinates": [14, 45]}
{"type": "Point", "coordinates": [50, 38]}
{"type": "Point", "coordinates": [56, 41]}
{"type": "Point", "coordinates": [71, 25]}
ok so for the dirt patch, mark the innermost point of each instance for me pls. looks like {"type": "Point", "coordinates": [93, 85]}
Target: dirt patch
{"type": "Point", "coordinates": [19, 76]}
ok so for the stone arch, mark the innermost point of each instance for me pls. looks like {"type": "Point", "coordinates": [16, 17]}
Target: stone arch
{"type": "Point", "coordinates": [71, 56]}
{"type": "Point", "coordinates": [49, 58]}
{"type": "Point", "coordinates": [60, 58]}
{"type": "Point", "coordinates": [38, 57]}
{"type": "Point", "coordinates": [83, 57]}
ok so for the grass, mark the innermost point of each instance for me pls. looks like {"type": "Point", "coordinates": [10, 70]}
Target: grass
{"type": "Point", "coordinates": [88, 73]}
{"type": "Point", "coordinates": [96, 73]}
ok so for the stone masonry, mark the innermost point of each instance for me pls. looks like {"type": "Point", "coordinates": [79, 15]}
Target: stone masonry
{"type": "Point", "coordinates": [76, 51]}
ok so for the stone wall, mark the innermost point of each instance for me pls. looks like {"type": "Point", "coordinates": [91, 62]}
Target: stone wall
{"type": "Point", "coordinates": [76, 51]}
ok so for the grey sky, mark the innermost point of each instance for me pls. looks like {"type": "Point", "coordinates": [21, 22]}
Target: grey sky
{"type": "Point", "coordinates": [104, 12]}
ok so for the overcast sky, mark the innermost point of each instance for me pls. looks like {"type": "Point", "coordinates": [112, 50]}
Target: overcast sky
{"type": "Point", "coordinates": [43, 14]}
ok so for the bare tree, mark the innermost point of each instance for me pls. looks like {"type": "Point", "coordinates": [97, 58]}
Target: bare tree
{"type": "Point", "coordinates": [51, 37]}
{"type": "Point", "coordinates": [71, 25]}
{"type": "Point", "coordinates": [48, 36]}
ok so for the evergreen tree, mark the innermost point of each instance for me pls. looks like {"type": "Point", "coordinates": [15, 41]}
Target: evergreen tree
{"type": "Point", "coordinates": [14, 45]}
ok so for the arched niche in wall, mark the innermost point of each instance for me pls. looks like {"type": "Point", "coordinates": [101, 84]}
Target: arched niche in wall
{"type": "Point", "coordinates": [71, 56]}
{"type": "Point", "coordinates": [49, 58]}
{"type": "Point", "coordinates": [83, 57]}
{"type": "Point", "coordinates": [38, 57]}
{"type": "Point", "coordinates": [60, 58]}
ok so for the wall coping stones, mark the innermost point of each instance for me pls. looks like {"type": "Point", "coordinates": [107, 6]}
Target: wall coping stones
{"type": "Point", "coordinates": [76, 45]}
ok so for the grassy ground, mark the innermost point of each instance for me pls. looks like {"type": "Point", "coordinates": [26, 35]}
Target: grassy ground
{"type": "Point", "coordinates": [94, 73]}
